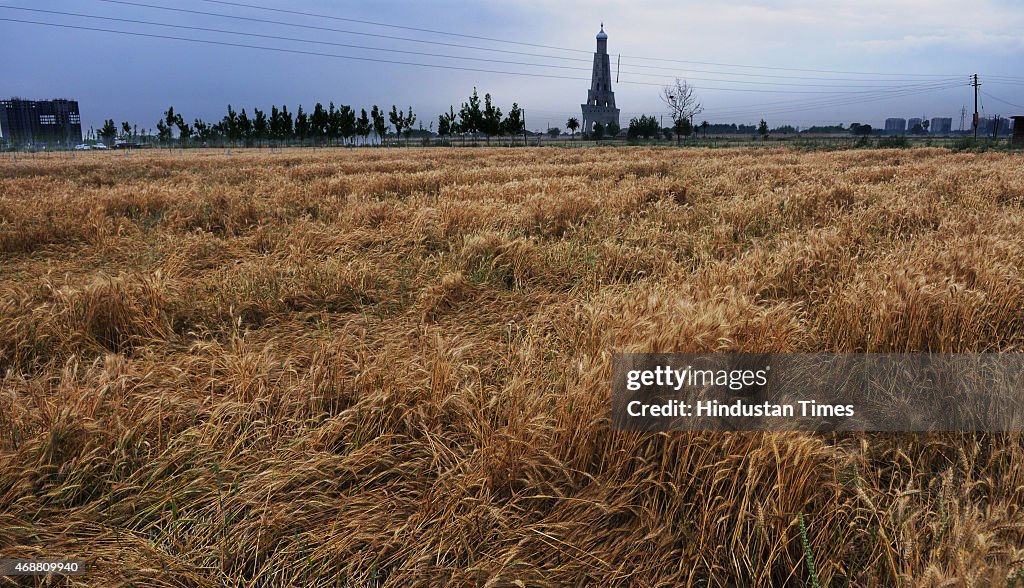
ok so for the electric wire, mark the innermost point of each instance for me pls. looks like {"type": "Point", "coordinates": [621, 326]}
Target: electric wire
{"type": "Point", "coordinates": [409, 63]}
{"type": "Point", "coordinates": [997, 99]}
{"type": "Point", "coordinates": [383, 24]}
{"type": "Point", "coordinates": [281, 38]}
{"type": "Point", "coordinates": [284, 50]}
{"type": "Point", "coordinates": [676, 72]}
{"type": "Point", "coordinates": [494, 39]}
{"type": "Point", "coordinates": [330, 29]}
{"type": "Point", "coordinates": [419, 53]}
{"type": "Point", "coordinates": [821, 105]}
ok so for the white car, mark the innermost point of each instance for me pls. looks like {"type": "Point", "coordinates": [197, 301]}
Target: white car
{"type": "Point", "coordinates": [100, 146]}
{"type": "Point", "coordinates": [82, 147]}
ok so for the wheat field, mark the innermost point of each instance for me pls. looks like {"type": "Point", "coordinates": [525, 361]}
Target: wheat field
{"type": "Point", "coordinates": [391, 367]}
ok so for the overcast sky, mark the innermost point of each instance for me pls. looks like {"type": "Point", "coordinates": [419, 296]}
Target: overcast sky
{"type": "Point", "coordinates": [780, 60]}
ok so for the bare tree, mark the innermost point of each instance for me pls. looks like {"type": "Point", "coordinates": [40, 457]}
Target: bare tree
{"type": "Point", "coordinates": [680, 101]}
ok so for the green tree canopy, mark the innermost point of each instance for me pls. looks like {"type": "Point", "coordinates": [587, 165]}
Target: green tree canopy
{"type": "Point", "coordinates": [682, 128]}
{"type": "Point", "coordinates": [643, 126]}
{"type": "Point", "coordinates": [514, 123]}
{"type": "Point", "coordinates": [573, 124]}
{"type": "Point", "coordinates": [363, 126]}
{"type": "Point", "coordinates": [260, 128]}
{"type": "Point", "coordinates": [347, 122]}
{"type": "Point", "coordinates": [470, 115]}
{"type": "Point", "coordinates": [491, 118]}
{"type": "Point", "coordinates": [380, 126]}
{"type": "Point", "coordinates": [301, 123]}
{"type": "Point", "coordinates": [108, 132]}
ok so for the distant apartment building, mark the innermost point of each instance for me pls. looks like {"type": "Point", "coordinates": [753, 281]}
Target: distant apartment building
{"type": "Point", "coordinates": [895, 126]}
{"type": "Point", "coordinates": [941, 126]}
{"type": "Point", "coordinates": [913, 122]}
{"type": "Point", "coordinates": [40, 122]}
{"type": "Point", "coordinates": [989, 126]}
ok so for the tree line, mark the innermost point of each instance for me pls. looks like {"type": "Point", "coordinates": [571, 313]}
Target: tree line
{"type": "Point", "coordinates": [328, 125]}
{"type": "Point", "coordinates": [474, 119]}
{"type": "Point", "coordinates": [343, 125]}
{"type": "Point", "coordinates": [323, 125]}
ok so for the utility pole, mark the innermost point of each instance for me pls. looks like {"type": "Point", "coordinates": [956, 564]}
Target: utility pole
{"type": "Point", "coordinates": [524, 128]}
{"type": "Point", "coordinates": [974, 82]}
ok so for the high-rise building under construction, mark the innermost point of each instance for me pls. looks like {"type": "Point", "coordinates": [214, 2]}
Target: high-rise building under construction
{"type": "Point", "coordinates": [40, 122]}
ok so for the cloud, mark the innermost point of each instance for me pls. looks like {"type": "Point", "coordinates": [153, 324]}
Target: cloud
{"type": "Point", "coordinates": [965, 40]}
{"type": "Point", "coordinates": [745, 25]}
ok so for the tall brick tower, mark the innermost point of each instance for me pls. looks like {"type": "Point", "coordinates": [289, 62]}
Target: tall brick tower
{"type": "Point", "coordinates": [600, 106]}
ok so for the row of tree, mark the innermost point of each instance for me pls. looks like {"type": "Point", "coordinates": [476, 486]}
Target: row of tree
{"type": "Point", "coordinates": [331, 125]}
{"type": "Point", "coordinates": [328, 125]}
{"type": "Point", "coordinates": [342, 125]}
{"type": "Point", "coordinates": [474, 119]}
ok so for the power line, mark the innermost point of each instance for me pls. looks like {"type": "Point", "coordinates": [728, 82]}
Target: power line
{"type": "Point", "coordinates": [498, 40]}
{"type": "Point", "coordinates": [804, 104]}
{"type": "Point", "coordinates": [280, 38]}
{"type": "Point", "coordinates": [396, 62]}
{"type": "Point", "coordinates": [383, 24]}
{"type": "Point", "coordinates": [822, 105]}
{"type": "Point", "coordinates": [846, 98]}
{"type": "Point", "coordinates": [392, 37]}
{"type": "Point", "coordinates": [800, 107]}
{"type": "Point", "coordinates": [445, 56]}
{"type": "Point", "coordinates": [675, 71]}
{"type": "Point", "coordinates": [996, 98]}
{"type": "Point", "coordinates": [293, 51]}
{"type": "Point", "coordinates": [408, 39]}
{"type": "Point", "coordinates": [334, 30]}
{"type": "Point", "coordinates": [829, 100]}
{"type": "Point", "coordinates": [1002, 77]}
{"type": "Point", "coordinates": [831, 71]}
{"type": "Point", "coordinates": [407, 52]}
{"type": "Point", "coordinates": [681, 73]}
